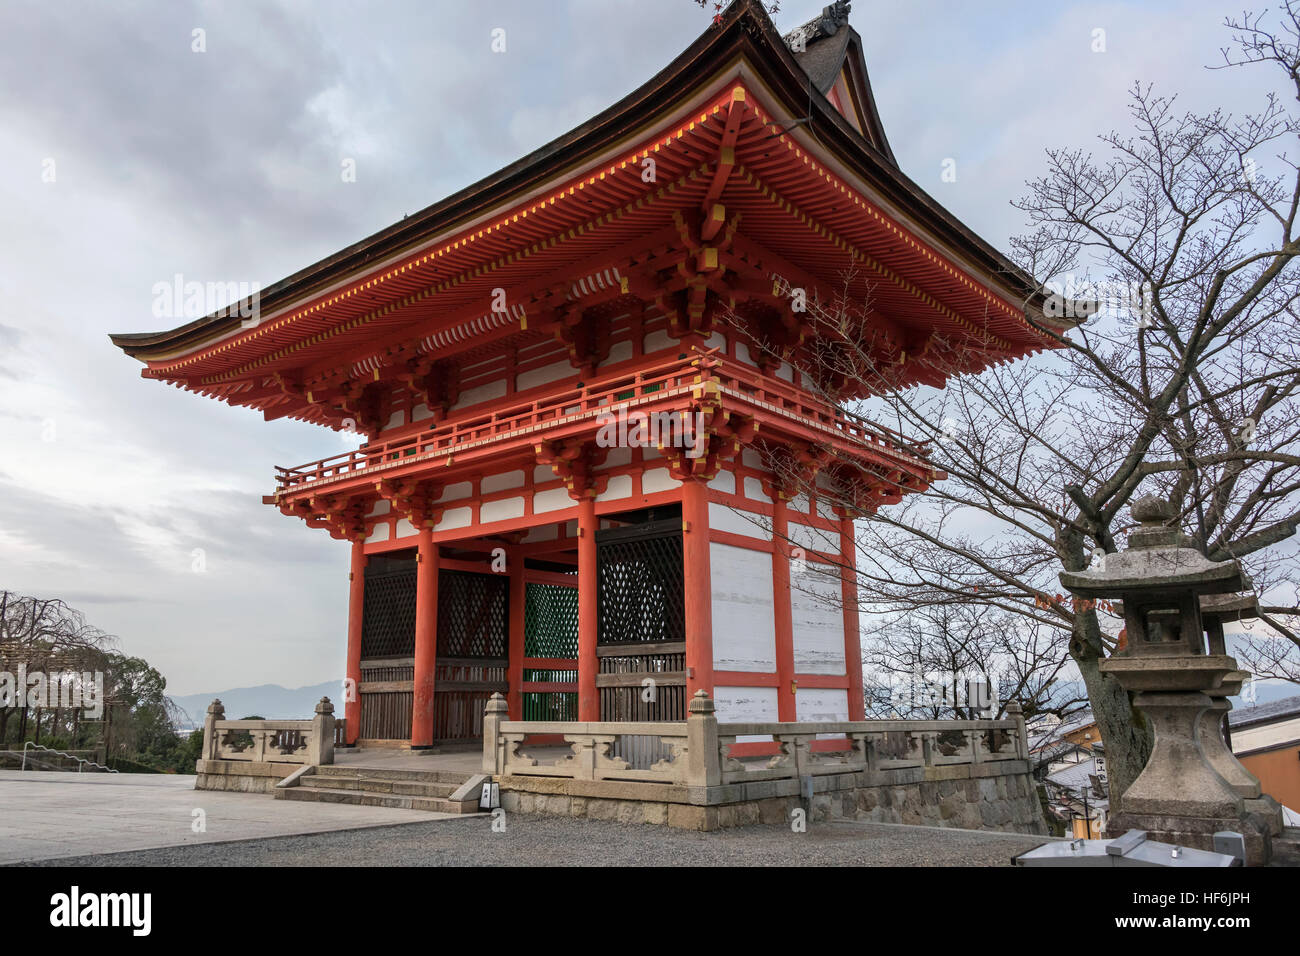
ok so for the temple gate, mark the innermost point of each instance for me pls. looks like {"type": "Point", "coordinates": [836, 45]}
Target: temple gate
{"type": "Point", "coordinates": [577, 405]}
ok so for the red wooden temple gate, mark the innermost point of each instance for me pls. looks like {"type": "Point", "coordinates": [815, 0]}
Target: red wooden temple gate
{"type": "Point", "coordinates": [645, 264]}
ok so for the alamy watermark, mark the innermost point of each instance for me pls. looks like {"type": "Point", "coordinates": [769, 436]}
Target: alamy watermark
{"type": "Point", "coordinates": [629, 429]}
{"type": "Point", "coordinates": [1083, 299]}
{"type": "Point", "coordinates": [66, 689]}
{"type": "Point", "coordinates": [182, 299]}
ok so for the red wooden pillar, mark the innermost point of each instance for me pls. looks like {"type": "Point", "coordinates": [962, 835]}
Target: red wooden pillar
{"type": "Point", "coordinates": [518, 595]}
{"type": "Point", "coordinates": [356, 617]}
{"type": "Point", "coordinates": [852, 635]}
{"type": "Point", "coordinates": [588, 701]}
{"type": "Point", "coordinates": [426, 640]}
{"type": "Point", "coordinates": [698, 587]}
{"type": "Point", "coordinates": [782, 612]}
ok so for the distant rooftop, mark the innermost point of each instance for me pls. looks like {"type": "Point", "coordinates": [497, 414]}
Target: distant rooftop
{"type": "Point", "coordinates": [1279, 709]}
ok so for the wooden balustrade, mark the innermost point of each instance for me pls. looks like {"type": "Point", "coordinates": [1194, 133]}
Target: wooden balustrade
{"type": "Point", "coordinates": [669, 383]}
{"type": "Point", "coordinates": [698, 751]}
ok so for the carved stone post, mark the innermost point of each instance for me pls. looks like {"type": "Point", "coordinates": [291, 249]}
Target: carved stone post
{"type": "Point", "coordinates": [1022, 739]}
{"type": "Point", "coordinates": [216, 712]}
{"type": "Point", "coordinates": [321, 748]}
{"type": "Point", "coordinates": [497, 711]}
{"type": "Point", "coordinates": [703, 765]}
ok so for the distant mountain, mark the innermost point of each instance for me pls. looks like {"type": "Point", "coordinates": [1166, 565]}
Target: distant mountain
{"type": "Point", "coordinates": [1265, 693]}
{"type": "Point", "coordinates": [270, 701]}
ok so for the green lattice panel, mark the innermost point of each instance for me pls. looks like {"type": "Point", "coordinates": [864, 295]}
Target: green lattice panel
{"type": "Point", "coordinates": [551, 621]}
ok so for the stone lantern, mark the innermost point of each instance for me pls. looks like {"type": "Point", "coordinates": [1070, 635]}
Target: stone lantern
{"type": "Point", "coordinates": [1180, 797]}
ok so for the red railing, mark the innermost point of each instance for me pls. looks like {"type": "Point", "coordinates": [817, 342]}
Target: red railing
{"type": "Point", "coordinates": [571, 405]}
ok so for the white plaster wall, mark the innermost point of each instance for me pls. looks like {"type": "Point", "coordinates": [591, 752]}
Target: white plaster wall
{"type": "Point", "coordinates": [482, 393]}
{"type": "Point", "coordinates": [619, 352]}
{"type": "Point", "coordinates": [657, 479]}
{"type": "Point", "coordinates": [382, 507]}
{"type": "Point", "coordinates": [818, 617]}
{"type": "Point", "coordinates": [656, 341]}
{"type": "Point", "coordinates": [501, 510]}
{"type": "Point", "coordinates": [821, 703]}
{"type": "Point", "coordinates": [553, 500]}
{"type": "Point", "coordinates": [508, 479]}
{"type": "Point", "coordinates": [724, 481]}
{"type": "Point", "coordinates": [725, 518]}
{"type": "Point", "coordinates": [813, 539]}
{"type": "Point", "coordinates": [744, 630]}
{"type": "Point", "coordinates": [754, 489]}
{"type": "Point", "coordinates": [616, 457]}
{"type": "Point", "coordinates": [455, 518]}
{"type": "Point", "coordinates": [462, 489]}
{"type": "Point", "coordinates": [544, 375]}
{"type": "Point", "coordinates": [403, 528]}
{"type": "Point", "coordinates": [743, 705]}
{"type": "Point", "coordinates": [379, 532]}
{"type": "Point", "coordinates": [619, 486]}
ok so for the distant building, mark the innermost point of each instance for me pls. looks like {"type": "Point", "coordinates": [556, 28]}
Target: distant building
{"type": "Point", "coordinates": [1266, 739]}
{"type": "Point", "coordinates": [1067, 760]}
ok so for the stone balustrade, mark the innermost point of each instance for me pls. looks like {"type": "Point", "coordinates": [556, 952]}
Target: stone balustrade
{"type": "Point", "coordinates": [700, 752]}
{"type": "Point", "coordinates": [270, 741]}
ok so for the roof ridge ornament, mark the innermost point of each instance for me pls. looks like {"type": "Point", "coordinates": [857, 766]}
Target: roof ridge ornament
{"type": "Point", "coordinates": [826, 24]}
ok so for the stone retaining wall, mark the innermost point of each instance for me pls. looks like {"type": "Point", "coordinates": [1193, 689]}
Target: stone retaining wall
{"type": "Point", "coordinates": [997, 796]}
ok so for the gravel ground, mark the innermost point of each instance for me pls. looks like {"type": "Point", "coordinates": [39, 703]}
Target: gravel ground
{"type": "Point", "coordinates": [559, 841]}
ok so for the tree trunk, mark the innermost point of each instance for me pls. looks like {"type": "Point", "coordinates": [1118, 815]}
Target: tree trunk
{"type": "Point", "coordinates": [1125, 732]}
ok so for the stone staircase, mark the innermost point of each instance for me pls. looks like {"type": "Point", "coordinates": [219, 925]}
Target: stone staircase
{"type": "Point", "coordinates": [440, 791]}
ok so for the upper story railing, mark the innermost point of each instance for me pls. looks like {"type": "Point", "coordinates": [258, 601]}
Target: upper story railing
{"type": "Point", "coordinates": [661, 385]}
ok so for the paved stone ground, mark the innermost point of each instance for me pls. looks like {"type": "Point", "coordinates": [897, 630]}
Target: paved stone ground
{"type": "Point", "coordinates": [45, 815]}
{"type": "Point", "coordinates": [558, 841]}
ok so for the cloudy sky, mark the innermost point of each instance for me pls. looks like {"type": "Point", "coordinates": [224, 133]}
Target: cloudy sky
{"type": "Point", "coordinates": [129, 157]}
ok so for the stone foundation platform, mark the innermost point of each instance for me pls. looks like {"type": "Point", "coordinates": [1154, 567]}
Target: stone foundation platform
{"type": "Point", "coordinates": [997, 796]}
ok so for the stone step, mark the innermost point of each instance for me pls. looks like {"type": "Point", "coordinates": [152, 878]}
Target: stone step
{"type": "Point", "coordinates": [372, 784]}
{"type": "Point", "coordinates": [456, 777]}
{"type": "Point", "coordinates": [366, 798]}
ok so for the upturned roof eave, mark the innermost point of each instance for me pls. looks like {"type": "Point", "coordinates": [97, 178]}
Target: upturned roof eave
{"type": "Point", "coordinates": [735, 36]}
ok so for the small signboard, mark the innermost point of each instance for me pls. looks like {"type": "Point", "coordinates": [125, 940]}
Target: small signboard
{"type": "Point", "coordinates": [1099, 769]}
{"type": "Point", "coordinates": [490, 798]}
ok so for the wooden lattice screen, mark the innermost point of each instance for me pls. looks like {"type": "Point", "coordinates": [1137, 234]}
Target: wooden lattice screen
{"type": "Point", "coordinates": [388, 619]}
{"type": "Point", "coordinates": [641, 613]}
{"type": "Point", "coordinates": [473, 651]}
{"type": "Point", "coordinates": [640, 594]}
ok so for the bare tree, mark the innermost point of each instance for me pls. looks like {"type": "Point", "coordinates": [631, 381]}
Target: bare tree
{"type": "Point", "coordinates": [46, 635]}
{"type": "Point", "coordinates": [1175, 372]}
{"type": "Point", "coordinates": [919, 663]}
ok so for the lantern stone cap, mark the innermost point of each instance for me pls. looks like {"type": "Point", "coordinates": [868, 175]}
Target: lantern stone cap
{"type": "Point", "coordinates": [1158, 559]}
{"type": "Point", "coordinates": [1183, 673]}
